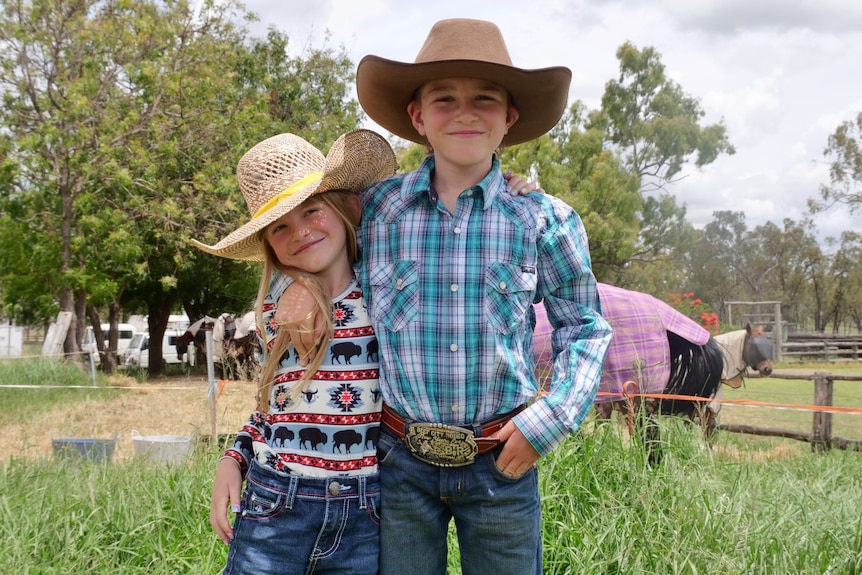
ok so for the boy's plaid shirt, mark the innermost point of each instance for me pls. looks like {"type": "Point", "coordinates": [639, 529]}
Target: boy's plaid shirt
{"type": "Point", "coordinates": [450, 302]}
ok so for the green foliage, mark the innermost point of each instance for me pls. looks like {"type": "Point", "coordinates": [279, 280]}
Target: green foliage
{"type": "Point", "coordinates": [409, 155]}
{"type": "Point", "coordinates": [604, 511]}
{"type": "Point", "coordinates": [132, 518]}
{"type": "Point", "coordinates": [845, 278]}
{"type": "Point", "coordinates": [845, 171]}
{"type": "Point", "coordinates": [571, 165]}
{"type": "Point", "coordinates": [19, 404]}
{"type": "Point", "coordinates": [650, 116]}
{"type": "Point", "coordinates": [29, 264]}
{"type": "Point", "coordinates": [123, 123]}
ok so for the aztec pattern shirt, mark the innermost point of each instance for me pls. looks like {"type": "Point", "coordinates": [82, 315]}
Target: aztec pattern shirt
{"type": "Point", "coordinates": [450, 297]}
{"type": "Point", "coordinates": [333, 431]}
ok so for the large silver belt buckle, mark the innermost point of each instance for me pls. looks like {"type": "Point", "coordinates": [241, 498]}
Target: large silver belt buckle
{"type": "Point", "coordinates": [441, 445]}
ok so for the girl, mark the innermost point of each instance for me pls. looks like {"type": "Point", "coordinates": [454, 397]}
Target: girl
{"type": "Point", "coordinates": [308, 452]}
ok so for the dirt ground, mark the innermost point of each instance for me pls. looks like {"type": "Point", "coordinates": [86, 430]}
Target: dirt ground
{"type": "Point", "coordinates": [176, 406]}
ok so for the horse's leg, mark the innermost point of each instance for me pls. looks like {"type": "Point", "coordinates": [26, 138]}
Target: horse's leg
{"type": "Point", "coordinates": [709, 422]}
{"type": "Point", "coordinates": [651, 432]}
{"type": "Point", "coordinates": [708, 413]}
{"type": "Point", "coordinates": [604, 411]}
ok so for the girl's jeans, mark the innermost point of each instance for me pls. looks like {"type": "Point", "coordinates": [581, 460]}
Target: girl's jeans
{"type": "Point", "coordinates": [292, 524]}
{"type": "Point", "coordinates": [498, 518]}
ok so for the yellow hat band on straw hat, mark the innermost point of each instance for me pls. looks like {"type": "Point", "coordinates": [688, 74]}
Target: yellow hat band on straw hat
{"type": "Point", "coordinates": [303, 183]}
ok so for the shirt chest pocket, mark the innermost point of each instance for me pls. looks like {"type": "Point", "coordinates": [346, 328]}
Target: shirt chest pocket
{"type": "Point", "coordinates": [395, 294]}
{"type": "Point", "coordinates": [510, 290]}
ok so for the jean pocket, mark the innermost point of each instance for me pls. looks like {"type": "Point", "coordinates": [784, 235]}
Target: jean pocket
{"type": "Point", "coordinates": [510, 290]}
{"type": "Point", "coordinates": [373, 501]}
{"type": "Point", "coordinates": [395, 294]}
{"type": "Point", "coordinates": [262, 502]}
{"type": "Point", "coordinates": [386, 445]}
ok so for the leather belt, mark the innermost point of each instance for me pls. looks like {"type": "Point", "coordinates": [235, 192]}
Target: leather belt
{"type": "Point", "coordinates": [445, 445]}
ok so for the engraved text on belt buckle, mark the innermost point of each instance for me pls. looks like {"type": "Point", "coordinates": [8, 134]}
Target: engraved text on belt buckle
{"type": "Point", "coordinates": [441, 445]}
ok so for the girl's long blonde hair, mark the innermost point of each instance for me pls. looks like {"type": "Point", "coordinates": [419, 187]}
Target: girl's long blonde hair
{"type": "Point", "coordinates": [341, 202]}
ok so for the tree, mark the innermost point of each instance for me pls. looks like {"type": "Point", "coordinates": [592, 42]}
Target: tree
{"type": "Point", "coordinates": [845, 171]}
{"type": "Point", "coordinates": [572, 165]}
{"type": "Point", "coordinates": [650, 118]}
{"type": "Point", "coordinates": [791, 255]}
{"type": "Point", "coordinates": [128, 120]}
{"type": "Point", "coordinates": [846, 283]}
{"type": "Point", "coordinates": [714, 260]}
{"type": "Point", "coordinates": [83, 81]}
{"type": "Point", "coordinates": [656, 129]}
{"type": "Point", "coordinates": [63, 88]}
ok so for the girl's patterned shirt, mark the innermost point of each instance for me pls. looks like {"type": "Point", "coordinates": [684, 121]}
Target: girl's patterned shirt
{"type": "Point", "coordinates": [333, 430]}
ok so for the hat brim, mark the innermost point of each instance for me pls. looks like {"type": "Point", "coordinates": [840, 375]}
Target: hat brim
{"type": "Point", "coordinates": [385, 88]}
{"type": "Point", "coordinates": [356, 160]}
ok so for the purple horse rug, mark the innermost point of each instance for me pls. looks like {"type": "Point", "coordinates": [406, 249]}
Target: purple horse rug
{"type": "Point", "coordinates": [639, 350]}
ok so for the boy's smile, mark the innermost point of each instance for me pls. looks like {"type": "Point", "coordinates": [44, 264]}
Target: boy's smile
{"type": "Point", "coordinates": [463, 119]}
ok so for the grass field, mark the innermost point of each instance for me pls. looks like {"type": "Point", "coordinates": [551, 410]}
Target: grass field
{"type": "Point", "coordinates": [748, 505]}
{"type": "Point", "coordinates": [794, 392]}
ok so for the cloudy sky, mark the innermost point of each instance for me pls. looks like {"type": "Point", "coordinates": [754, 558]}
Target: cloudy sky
{"type": "Point", "coordinates": [781, 74]}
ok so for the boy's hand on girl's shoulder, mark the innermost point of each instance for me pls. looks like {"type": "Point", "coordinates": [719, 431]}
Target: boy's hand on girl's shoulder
{"type": "Point", "coordinates": [300, 315]}
{"type": "Point", "coordinates": [515, 185]}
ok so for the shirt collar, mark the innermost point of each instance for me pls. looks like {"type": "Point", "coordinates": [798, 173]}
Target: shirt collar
{"type": "Point", "coordinates": [419, 181]}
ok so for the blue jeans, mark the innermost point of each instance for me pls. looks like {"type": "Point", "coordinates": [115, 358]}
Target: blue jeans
{"type": "Point", "coordinates": [498, 519]}
{"type": "Point", "coordinates": [291, 525]}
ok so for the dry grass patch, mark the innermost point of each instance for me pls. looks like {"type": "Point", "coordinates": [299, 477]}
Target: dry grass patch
{"type": "Point", "coordinates": [172, 407]}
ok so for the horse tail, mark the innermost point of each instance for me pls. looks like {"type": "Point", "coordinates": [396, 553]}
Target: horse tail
{"type": "Point", "coordinates": [695, 370]}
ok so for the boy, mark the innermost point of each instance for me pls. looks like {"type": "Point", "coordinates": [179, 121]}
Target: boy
{"type": "Point", "coordinates": [450, 267]}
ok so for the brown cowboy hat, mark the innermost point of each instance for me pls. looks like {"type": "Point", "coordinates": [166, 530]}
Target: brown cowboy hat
{"type": "Point", "coordinates": [461, 48]}
{"type": "Point", "coordinates": [281, 172]}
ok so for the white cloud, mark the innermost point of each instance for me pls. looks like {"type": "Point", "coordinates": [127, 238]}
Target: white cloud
{"type": "Point", "coordinates": [781, 75]}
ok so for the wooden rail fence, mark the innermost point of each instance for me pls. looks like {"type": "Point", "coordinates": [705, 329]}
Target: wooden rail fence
{"type": "Point", "coordinates": [820, 438]}
{"type": "Point", "coordinates": [807, 347]}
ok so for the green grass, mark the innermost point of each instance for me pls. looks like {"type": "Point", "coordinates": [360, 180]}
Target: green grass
{"type": "Point", "coordinates": [699, 512]}
{"type": "Point", "coordinates": [21, 402]}
{"type": "Point", "coordinates": [97, 518]}
{"type": "Point", "coordinates": [797, 392]}
{"type": "Point", "coordinates": [744, 507]}
{"type": "Point", "coordinates": [605, 511]}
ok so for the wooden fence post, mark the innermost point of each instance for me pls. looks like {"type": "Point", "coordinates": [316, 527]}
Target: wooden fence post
{"type": "Point", "coordinates": [821, 433]}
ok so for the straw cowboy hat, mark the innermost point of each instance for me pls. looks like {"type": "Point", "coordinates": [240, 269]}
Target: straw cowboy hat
{"type": "Point", "coordinates": [281, 172]}
{"type": "Point", "coordinates": [461, 48]}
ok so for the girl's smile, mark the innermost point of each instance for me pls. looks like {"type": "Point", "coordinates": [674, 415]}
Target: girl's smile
{"type": "Point", "coordinates": [312, 237]}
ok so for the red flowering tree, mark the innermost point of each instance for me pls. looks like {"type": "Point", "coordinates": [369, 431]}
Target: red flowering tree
{"type": "Point", "coordinates": [695, 309]}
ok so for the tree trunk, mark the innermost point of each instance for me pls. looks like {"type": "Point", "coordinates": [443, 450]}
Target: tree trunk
{"type": "Point", "coordinates": [157, 321]}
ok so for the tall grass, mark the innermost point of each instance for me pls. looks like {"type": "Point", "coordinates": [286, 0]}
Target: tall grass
{"type": "Point", "coordinates": [18, 402]}
{"type": "Point", "coordinates": [96, 518]}
{"type": "Point", "coordinates": [605, 510]}
{"type": "Point", "coordinates": [748, 506]}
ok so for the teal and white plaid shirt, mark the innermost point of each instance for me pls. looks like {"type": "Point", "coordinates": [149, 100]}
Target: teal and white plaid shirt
{"type": "Point", "coordinates": [450, 298]}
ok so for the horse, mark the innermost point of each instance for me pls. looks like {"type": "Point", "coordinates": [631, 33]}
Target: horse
{"type": "Point", "coordinates": [194, 336]}
{"type": "Point", "coordinates": [236, 346]}
{"type": "Point", "coordinates": [740, 349]}
{"type": "Point", "coordinates": [655, 350]}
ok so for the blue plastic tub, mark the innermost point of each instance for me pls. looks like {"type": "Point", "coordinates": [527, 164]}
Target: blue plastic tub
{"type": "Point", "coordinates": [84, 449]}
